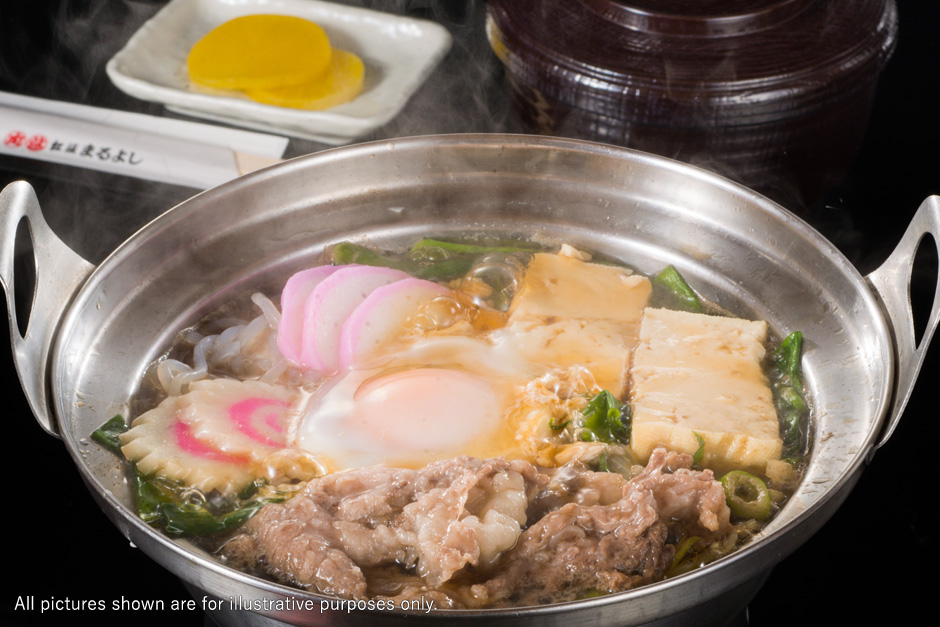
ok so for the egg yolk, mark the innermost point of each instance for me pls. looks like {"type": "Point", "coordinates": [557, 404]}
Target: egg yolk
{"type": "Point", "coordinates": [259, 52]}
{"type": "Point", "coordinates": [341, 82]}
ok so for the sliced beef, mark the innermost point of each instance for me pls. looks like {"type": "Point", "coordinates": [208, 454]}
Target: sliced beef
{"type": "Point", "coordinates": [436, 521]}
{"type": "Point", "coordinates": [612, 534]}
{"type": "Point", "coordinates": [485, 533]}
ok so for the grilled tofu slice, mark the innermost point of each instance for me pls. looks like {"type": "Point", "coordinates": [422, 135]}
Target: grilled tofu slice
{"type": "Point", "coordinates": [573, 312]}
{"type": "Point", "coordinates": [696, 373]}
{"type": "Point", "coordinates": [601, 346]}
{"type": "Point", "coordinates": [565, 286]}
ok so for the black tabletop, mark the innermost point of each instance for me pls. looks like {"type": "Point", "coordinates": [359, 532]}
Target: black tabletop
{"type": "Point", "coordinates": [874, 554]}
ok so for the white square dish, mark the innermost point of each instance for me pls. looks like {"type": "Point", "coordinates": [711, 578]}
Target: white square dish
{"type": "Point", "coordinates": [398, 52]}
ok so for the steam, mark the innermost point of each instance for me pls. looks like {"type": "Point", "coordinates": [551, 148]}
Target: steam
{"type": "Point", "coordinates": [94, 212]}
{"type": "Point", "coordinates": [60, 54]}
{"type": "Point", "coordinates": [465, 94]}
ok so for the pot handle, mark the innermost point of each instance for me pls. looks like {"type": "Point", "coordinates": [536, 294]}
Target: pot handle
{"type": "Point", "coordinates": [59, 273]}
{"type": "Point", "coordinates": [892, 282]}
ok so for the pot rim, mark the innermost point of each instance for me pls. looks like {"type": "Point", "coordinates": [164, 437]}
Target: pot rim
{"type": "Point", "coordinates": [796, 526]}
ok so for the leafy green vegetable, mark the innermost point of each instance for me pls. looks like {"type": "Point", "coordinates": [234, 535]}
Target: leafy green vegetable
{"type": "Point", "coordinates": [178, 509]}
{"type": "Point", "coordinates": [429, 259]}
{"type": "Point", "coordinates": [347, 252]}
{"type": "Point", "coordinates": [699, 452]}
{"type": "Point", "coordinates": [109, 433]}
{"type": "Point", "coordinates": [468, 249]}
{"type": "Point", "coordinates": [747, 495]}
{"type": "Point", "coordinates": [792, 398]}
{"type": "Point", "coordinates": [682, 548]}
{"type": "Point", "coordinates": [606, 419]}
{"type": "Point", "coordinates": [671, 289]}
{"type": "Point", "coordinates": [788, 357]}
{"type": "Point", "coordinates": [445, 270]}
{"type": "Point", "coordinates": [791, 423]}
{"type": "Point", "coordinates": [150, 495]}
{"type": "Point", "coordinates": [788, 393]}
{"type": "Point", "coordinates": [195, 519]}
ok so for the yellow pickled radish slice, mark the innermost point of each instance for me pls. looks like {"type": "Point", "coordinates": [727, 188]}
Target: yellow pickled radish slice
{"type": "Point", "coordinates": [260, 51]}
{"type": "Point", "coordinates": [340, 83]}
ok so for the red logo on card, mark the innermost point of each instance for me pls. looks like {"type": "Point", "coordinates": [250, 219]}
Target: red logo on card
{"type": "Point", "coordinates": [37, 142]}
{"type": "Point", "coordinates": [14, 138]}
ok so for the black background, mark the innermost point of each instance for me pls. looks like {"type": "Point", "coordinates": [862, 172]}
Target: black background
{"type": "Point", "coordinates": [876, 554]}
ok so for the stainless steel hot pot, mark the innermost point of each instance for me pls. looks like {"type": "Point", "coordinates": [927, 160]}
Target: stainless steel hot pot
{"type": "Point", "coordinates": [93, 330]}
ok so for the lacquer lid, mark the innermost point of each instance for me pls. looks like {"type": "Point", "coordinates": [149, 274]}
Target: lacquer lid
{"type": "Point", "coordinates": [722, 62]}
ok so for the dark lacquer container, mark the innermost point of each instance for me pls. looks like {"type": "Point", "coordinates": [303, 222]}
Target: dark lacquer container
{"type": "Point", "coordinates": [774, 93]}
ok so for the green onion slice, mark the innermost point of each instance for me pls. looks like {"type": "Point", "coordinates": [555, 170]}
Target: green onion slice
{"type": "Point", "coordinates": [747, 495]}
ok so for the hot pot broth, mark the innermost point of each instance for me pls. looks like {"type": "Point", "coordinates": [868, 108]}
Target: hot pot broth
{"type": "Point", "coordinates": [247, 417]}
